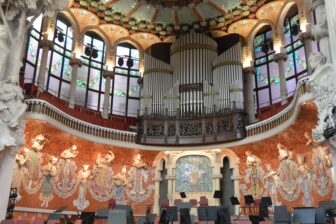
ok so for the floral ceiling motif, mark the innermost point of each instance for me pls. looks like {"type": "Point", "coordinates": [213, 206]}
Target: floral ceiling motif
{"type": "Point", "coordinates": [165, 18]}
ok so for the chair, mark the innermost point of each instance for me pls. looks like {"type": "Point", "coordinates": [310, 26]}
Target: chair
{"type": "Point", "coordinates": [202, 213]}
{"type": "Point", "coordinates": [203, 201]}
{"type": "Point", "coordinates": [112, 203]}
{"type": "Point", "coordinates": [185, 216]}
{"type": "Point", "coordinates": [102, 213]}
{"type": "Point", "coordinates": [320, 215]}
{"type": "Point", "coordinates": [212, 212]}
{"type": "Point", "coordinates": [177, 201]}
{"type": "Point", "coordinates": [193, 203]}
{"type": "Point", "coordinates": [304, 215]}
{"type": "Point", "coordinates": [164, 203]}
{"type": "Point", "coordinates": [281, 215]}
{"type": "Point", "coordinates": [117, 216]}
{"type": "Point", "coordinates": [172, 214]}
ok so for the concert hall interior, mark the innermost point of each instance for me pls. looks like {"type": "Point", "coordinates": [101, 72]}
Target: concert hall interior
{"type": "Point", "coordinates": [167, 111]}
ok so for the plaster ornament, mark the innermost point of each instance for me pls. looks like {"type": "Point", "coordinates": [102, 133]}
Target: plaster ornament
{"type": "Point", "coordinates": [271, 182]}
{"type": "Point", "coordinates": [322, 84]}
{"type": "Point", "coordinates": [254, 177]}
{"type": "Point", "coordinates": [20, 168]}
{"type": "Point", "coordinates": [49, 171]}
{"type": "Point", "coordinates": [67, 176]}
{"type": "Point", "coordinates": [32, 179]}
{"type": "Point", "coordinates": [11, 110]}
{"type": "Point", "coordinates": [288, 186]}
{"type": "Point", "coordinates": [320, 30]}
{"type": "Point", "coordinates": [83, 175]}
{"type": "Point", "coordinates": [101, 186]}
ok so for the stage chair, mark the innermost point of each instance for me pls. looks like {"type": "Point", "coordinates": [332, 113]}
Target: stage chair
{"type": "Point", "coordinates": [177, 201]}
{"type": "Point", "coordinates": [164, 203]}
{"type": "Point", "coordinates": [320, 215]}
{"type": "Point", "coordinates": [281, 215]}
{"type": "Point", "coordinates": [303, 215]}
{"type": "Point", "coordinates": [117, 216]}
{"type": "Point", "coordinates": [112, 203]}
{"type": "Point", "coordinates": [102, 213]}
{"type": "Point", "coordinates": [202, 213]}
{"type": "Point", "coordinates": [185, 216]}
{"type": "Point", "coordinates": [212, 212]}
{"type": "Point", "coordinates": [172, 214]}
{"type": "Point", "coordinates": [203, 201]}
{"type": "Point", "coordinates": [193, 203]}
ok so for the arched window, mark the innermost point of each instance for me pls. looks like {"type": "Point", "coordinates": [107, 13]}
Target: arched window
{"type": "Point", "coordinates": [296, 65]}
{"type": "Point", "coordinates": [33, 54]}
{"type": "Point", "coordinates": [125, 87]}
{"type": "Point", "coordinates": [90, 82]}
{"type": "Point", "coordinates": [59, 70]}
{"type": "Point", "coordinates": [267, 89]}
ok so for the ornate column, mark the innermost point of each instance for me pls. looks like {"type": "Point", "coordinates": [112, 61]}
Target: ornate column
{"type": "Point", "coordinates": [249, 73]}
{"type": "Point", "coordinates": [45, 45]}
{"type": "Point", "coordinates": [156, 206]}
{"type": "Point", "coordinates": [320, 29]}
{"type": "Point", "coordinates": [75, 63]}
{"type": "Point", "coordinates": [108, 75]}
{"type": "Point", "coordinates": [170, 192]}
{"type": "Point", "coordinates": [330, 6]}
{"type": "Point", "coordinates": [306, 38]}
{"type": "Point", "coordinates": [216, 185]}
{"type": "Point", "coordinates": [280, 59]}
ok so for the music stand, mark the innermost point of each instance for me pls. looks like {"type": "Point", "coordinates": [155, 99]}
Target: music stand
{"type": "Point", "coordinates": [183, 195]}
{"type": "Point", "coordinates": [267, 201]}
{"type": "Point", "coordinates": [87, 217]}
{"type": "Point", "coordinates": [248, 199]}
{"type": "Point", "coordinates": [218, 194]}
{"type": "Point", "coordinates": [234, 200]}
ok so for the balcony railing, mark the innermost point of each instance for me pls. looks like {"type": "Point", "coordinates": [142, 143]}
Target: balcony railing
{"type": "Point", "coordinates": [41, 107]}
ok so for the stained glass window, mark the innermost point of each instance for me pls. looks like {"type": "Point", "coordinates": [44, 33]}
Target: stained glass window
{"type": "Point", "coordinates": [58, 63]}
{"type": "Point", "coordinates": [90, 79]}
{"type": "Point", "coordinates": [33, 53]}
{"type": "Point", "coordinates": [296, 65]}
{"type": "Point", "coordinates": [126, 90]}
{"type": "Point", "coordinates": [267, 75]}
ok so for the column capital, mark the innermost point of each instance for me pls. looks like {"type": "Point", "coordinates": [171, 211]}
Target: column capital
{"type": "Point", "coordinates": [170, 177]}
{"type": "Point", "coordinates": [217, 176]}
{"type": "Point", "coordinates": [280, 56]}
{"type": "Point", "coordinates": [107, 74]}
{"type": "Point", "coordinates": [45, 43]}
{"type": "Point", "coordinates": [75, 61]}
{"type": "Point", "coordinates": [249, 70]}
{"type": "Point", "coordinates": [305, 36]}
{"type": "Point", "coordinates": [316, 3]}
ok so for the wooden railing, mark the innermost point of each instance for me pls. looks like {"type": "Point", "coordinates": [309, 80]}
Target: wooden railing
{"type": "Point", "coordinates": [41, 107]}
{"type": "Point", "coordinates": [282, 116]}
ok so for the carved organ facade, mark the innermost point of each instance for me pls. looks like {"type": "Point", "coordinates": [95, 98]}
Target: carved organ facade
{"type": "Point", "coordinates": [197, 98]}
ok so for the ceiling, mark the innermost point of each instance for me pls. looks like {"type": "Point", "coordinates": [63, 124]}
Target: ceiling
{"type": "Point", "coordinates": [166, 18]}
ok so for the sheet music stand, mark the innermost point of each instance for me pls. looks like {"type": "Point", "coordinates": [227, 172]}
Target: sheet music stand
{"type": "Point", "coordinates": [183, 195]}
{"type": "Point", "coordinates": [218, 194]}
{"type": "Point", "coordinates": [234, 201]}
{"type": "Point", "coordinates": [87, 217]}
{"type": "Point", "coordinates": [249, 199]}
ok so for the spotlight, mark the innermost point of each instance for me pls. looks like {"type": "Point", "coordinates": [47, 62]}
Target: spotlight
{"type": "Point", "coordinates": [60, 37]}
{"type": "Point", "coordinates": [265, 47]}
{"type": "Point", "coordinates": [129, 62]}
{"type": "Point", "coordinates": [94, 53]}
{"type": "Point", "coordinates": [271, 45]}
{"type": "Point", "coordinates": [87, 51]}
{"type": "Point", "coordinates": [295, 29]}
{"type": "Point", "coordinates": [120, 62]}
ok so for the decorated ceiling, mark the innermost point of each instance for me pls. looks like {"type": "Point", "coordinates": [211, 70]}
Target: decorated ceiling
{"type": "Point", "coordinates": [166, 18]}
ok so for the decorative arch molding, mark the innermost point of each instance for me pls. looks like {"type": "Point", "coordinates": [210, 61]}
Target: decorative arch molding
{"type": "Point", "coordinates": [133, 42]}
{"type": "Point", "coordinates": [255, 30]}
{"type": "Point", "coordinates": [281, 19]}
{"type": "Point", "coordinates": [75, 26]}
{"type": "Point", "coordinates": [101, 34]}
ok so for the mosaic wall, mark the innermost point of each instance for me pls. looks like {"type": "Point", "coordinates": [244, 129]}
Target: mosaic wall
{"type": "Point", "coordinates": [56, 168]}
{"type": "Point", "coordinates": [193, 174]}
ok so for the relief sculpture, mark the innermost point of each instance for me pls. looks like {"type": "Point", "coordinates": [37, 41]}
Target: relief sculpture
{"type": "Point", "coordinates": [83, 176]}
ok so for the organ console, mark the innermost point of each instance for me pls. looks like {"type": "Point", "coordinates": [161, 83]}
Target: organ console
{"type": "Point", "coordinates": [197, 98]}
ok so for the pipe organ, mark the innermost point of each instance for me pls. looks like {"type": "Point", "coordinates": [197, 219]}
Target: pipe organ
{"type": "Point", "coordinates": [200, 93]}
